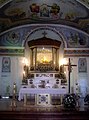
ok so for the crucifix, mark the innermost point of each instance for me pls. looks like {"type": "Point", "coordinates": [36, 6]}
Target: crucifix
{"type": "Point", "coordinates": [44, 34]}
{"type": "Point", "coordinates": [69, 71]}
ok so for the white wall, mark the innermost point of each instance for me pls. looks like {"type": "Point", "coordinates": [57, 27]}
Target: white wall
{"type": "Point", "coordinates": [88, 74]}
{"type": "Point", "coordinates": [27, 53]}
{"type": "Point", "coordinates": [74, 74]}
{"type": "Point", "coordinates": [81, 78]}
{"type": "Point", "coordinates": [14, 76]}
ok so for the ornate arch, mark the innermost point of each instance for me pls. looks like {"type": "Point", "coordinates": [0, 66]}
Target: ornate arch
{"type": "Point", "coordinates": [46, 28]}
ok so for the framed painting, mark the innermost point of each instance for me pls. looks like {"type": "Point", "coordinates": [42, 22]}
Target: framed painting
{"type": "Point", "coordinates": [82, 65]}
{"type": "Point", "coordinates": [6, 64]}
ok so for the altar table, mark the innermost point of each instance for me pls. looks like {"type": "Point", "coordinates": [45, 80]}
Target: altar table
{"type": "Point", "coordinates": [27, 91]}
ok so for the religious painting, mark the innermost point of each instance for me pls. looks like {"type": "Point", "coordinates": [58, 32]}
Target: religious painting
{"type": "Point", "coordinates": [3, 1]}
{"type": "Point", "coordinates": [6, 64]}
{"type": "Point", "coordinates": [82, 65]}
{"type": "Point", "coordinates": [76, 39]}
{"type": "Point", "coordinates": [15, 13]}
{"type": "Point", "coordinates": [34, 8]}
{"type": "Point", "coordinates": [44, 11]}
{"type": "Point", "coordinates": [44, 55]}
{"type": "Point", "coordinates": [86, 2]}
{"type": "Point", "coordinates": [55, 10]}
{"type": "Point", "coordinates": [44, 59]}
{"type": "Point", "coordinates": [18, 12]}
{"type": "Point", "coordinates": [13, 37]}
{"type": "Point", "coordinates": [11, 43]}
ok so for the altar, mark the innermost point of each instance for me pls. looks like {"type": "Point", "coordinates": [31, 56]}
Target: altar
{"type": "Point", "coordinates": [42, 95]}
{"type": "Point", "coordinates": [46, 88]}
{"type": "Point", "coordinates": [44, 78]}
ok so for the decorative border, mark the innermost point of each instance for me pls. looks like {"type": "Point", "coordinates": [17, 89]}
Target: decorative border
{"type": "Point", "coordinates": [43, 99]}
{"type": "Point", "coordinates": [76, 53]}
{"type": "Point", "coordinates": [12, 51]}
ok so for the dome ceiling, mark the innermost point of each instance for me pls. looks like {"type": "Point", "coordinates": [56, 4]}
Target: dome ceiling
{"type": "Point", "coordinates": [67, 12]}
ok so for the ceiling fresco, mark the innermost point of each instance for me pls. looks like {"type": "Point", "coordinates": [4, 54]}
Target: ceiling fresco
{"type": "Point", "coordinates": [86, 2]}
{"type": "Point", "coordinates": [67, 12]}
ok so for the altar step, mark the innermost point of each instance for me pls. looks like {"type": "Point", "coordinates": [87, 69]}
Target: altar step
{"type": "Point", "coordinates": [26, 115]}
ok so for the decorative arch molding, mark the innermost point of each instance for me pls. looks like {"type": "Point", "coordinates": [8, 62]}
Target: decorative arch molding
{"type": "Point", "coordinates": [67, 35]}
{"type": "Point", "coordinates": [53, 30]}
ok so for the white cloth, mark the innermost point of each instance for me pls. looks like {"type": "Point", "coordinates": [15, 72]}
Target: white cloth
{"type": "Point", "coordinates": [28, 91]}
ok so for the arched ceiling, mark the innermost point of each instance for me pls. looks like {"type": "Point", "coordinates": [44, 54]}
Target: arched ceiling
{"type": "Point", "coordinates": [73, 13]}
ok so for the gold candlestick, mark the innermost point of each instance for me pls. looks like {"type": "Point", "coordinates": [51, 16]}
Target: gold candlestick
{"type": "Point", "coordinates": [13, 102]}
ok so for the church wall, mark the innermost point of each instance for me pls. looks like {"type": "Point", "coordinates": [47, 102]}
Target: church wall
{"type": "Point", "coordinates": [7, 79]}
{"type": "Point", "coordinates": [79, 81]}
{"type": "Point", "coordinates": [13, 42]}
{"type": "Point", "coordinates": [87, 74]}
{"type": "Point", "coordinates": [27, 54]}
{"type": "Point", "coordinates": [73, 38]}
{"type": "Point", "coordinates": [81, 77]}
{"type": "Point", "coordinates": [75, 43]}
{"type": "Point", "coordinates": [74, 74]}
{"type": "Point", "coordinates": [17, 69]}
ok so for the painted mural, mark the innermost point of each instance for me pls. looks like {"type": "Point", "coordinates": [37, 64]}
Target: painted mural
{"type": "Point", "coordinates": [12, 38]}
{"type": "Point", "coordinates": [86, 2]}
{"type": "Point", "coordinates": [73, 37]}
{"type": "Point", "coordinates": [19, 12]}
{"type": "Point", "coordinates": [13, 42]}
{"type": "Point", "coordinates": [76, 39]}
{"type": "Point", "coordinates": [3, 1]}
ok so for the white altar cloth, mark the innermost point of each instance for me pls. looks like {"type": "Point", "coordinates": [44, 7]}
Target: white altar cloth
{"type": "Point", "coordinates": [28, 91]}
